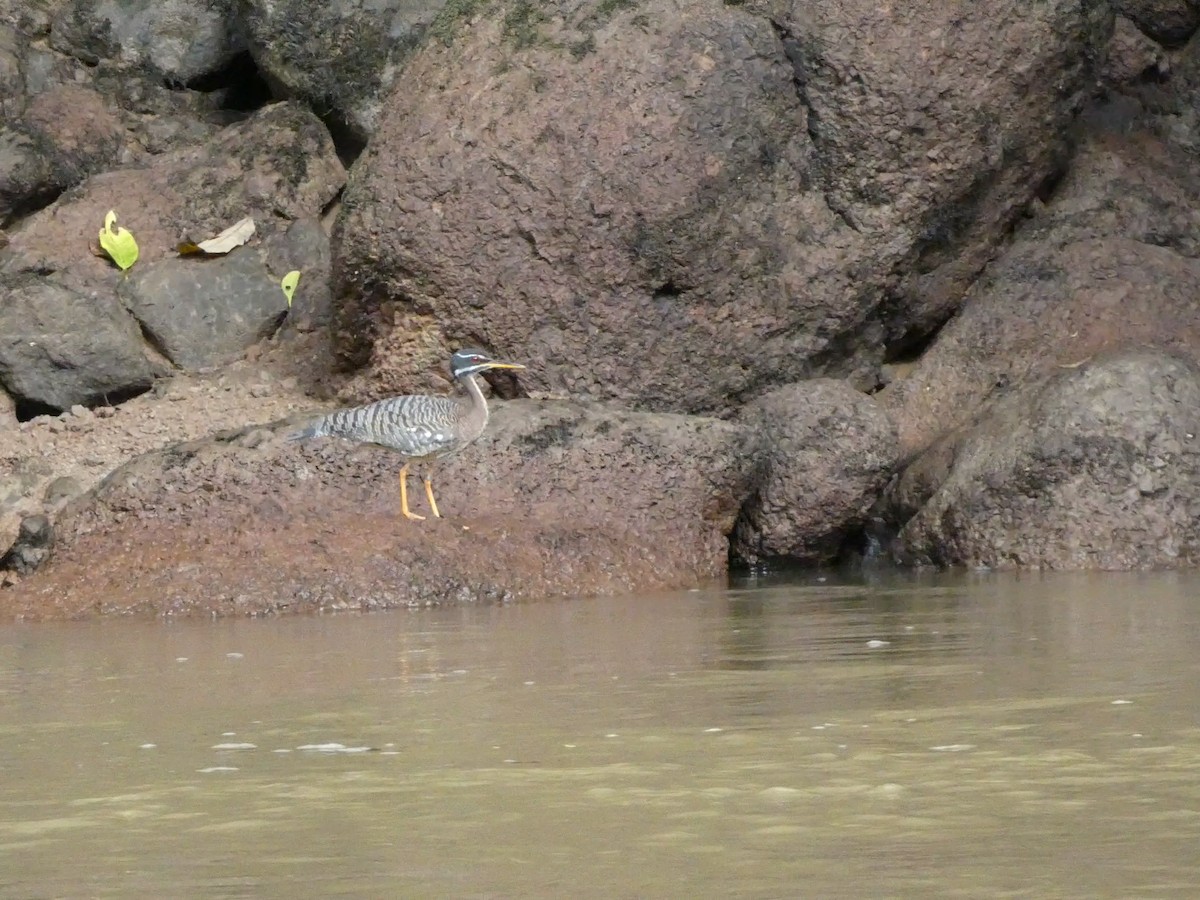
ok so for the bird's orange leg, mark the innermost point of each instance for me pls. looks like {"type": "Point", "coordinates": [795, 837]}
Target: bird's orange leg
{"type": "Point", "coordinates": [429, 494]}
{"type": "Point", "coordinates": [404, 510]}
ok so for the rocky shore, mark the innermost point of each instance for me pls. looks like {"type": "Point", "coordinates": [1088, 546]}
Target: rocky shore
{"type": "Point", "coordinates": [793, 284]}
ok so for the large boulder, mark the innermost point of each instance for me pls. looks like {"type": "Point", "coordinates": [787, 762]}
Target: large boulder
{"type": "Point", "coordinates": [278, 165]}
{"type": "Point", "coordinates": [827, 450]}
{"type": "Point", "coordinates": [60, 346]}
{"type": "Point", "coordinates": [67, 133]}
{"type": "Point", "coordinates": [557, 499]}
{"type": "Point", "coordinates": [339, 58]}
{"type": "Point", "coordinates": [201, 313]}
{"type": "Point", "coordinates": [681, 204]}
{"type": "Point", "coordinates": [175, 39]}
{"type": "Point", "coordinates": [1096, 468]}
{"type": "Point", "coordinates": [1167, 21]}
{"type": "Point", "coordinates": [1113, 261]}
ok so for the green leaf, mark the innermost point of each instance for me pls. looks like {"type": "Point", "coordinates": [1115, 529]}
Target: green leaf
{"type": "Point", "coordinates": [118, 244]}
{"type": "Point", "coordinates": [289, 283]}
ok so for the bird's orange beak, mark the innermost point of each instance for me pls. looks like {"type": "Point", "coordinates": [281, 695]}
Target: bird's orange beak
{"type": "Point", "coordinates": [497, 365]}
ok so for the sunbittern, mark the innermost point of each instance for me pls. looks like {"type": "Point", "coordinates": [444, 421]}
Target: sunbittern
{"type": "Point", "coordinates": [421, 427]}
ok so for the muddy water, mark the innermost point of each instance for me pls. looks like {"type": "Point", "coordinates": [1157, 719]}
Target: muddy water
{"type": "Point", "coordinates": [955, 737]}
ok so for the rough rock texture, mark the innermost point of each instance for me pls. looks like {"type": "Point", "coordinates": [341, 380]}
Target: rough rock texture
{"type": "Point", "coordinates": [1112, 261]}
{"type": "Point", "coordinates": [339, 58]}
{"type": "Point", "coordinates": [180, 40]}
{"type": "Point", "coordinates": [60, 347]}
{"type": "Point", "coordinates": [80, 447]}
{"type": "Point", "coordinates": [827, 450]}
{"type": "Point", "coordinates": [558, 499]}
{"type": "Point", "coordinates": [203, 312]}
{"type": "Point", "coordinates": [66, 134]}
{"type": "Point", "coordinates": [33, 546]}
{"type": "Point", "coordinates": [1167, 21]}
{"type": "Point", "coordinates": [1097, 468]}
{"type": "Point", "coordinates": [278, 165]}
{"type": "Point", "coordinates": [682, 204]}
{"type": "Point", "coordinates": [305, 249]}
{"type": "Point", "coordinates": [934, 124]}
{"type": "Point", "coordinates": [1133, 57]}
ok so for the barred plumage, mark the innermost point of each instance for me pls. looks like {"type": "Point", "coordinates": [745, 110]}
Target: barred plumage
{"type": "Point", "coordinates": [421, 427]}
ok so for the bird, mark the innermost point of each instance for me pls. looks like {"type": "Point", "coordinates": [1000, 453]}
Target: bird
{"type": "Point", "coordinates": [423, 428]}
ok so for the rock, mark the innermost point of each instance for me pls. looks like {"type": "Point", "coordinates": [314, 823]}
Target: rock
{"type": "Point", "coordinates": [827, 452]}
{"type": "Point", "coordinates": [1112, 262]}
{"type": "Point", "coordinates": [1133, 57]}
{"type": "Point", "coordinates": [60, 490]}
{"type": "Point", "coordinates": [686, 228]}
{"type": "Point", "coordinates": [201, 313]}
{"type": "Point", "coordinates": [33, 546]}
{"type": "Point", "coordinates": [27, 67]}
{"type": "Point", "coordinates": [1096, 468]}
{"type": "Point", "coordinates": [306, 250]}
{"type": "Point", "coordinates": [1169, 22]}
{"type": "Point", "coordinates": [276, 166]}
{"type": "Point", "coordinates": [175, 39]}
{"type": "Point", "coordinates": [68, 133]}
{"type": "Point", "coordinates": [339, 58]}
{"type": "Point", "coordinates": [8, 411]}
{"type": "Point", "coordinates": [60, 347]}
{"type": "Point", "coordinates": [557, 499]}
{"type": "Point", "coordinates": [949, 169]}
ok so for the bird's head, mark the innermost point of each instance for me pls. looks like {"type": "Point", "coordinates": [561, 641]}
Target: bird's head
{"type": "Point", "coordinates": [472, 362]}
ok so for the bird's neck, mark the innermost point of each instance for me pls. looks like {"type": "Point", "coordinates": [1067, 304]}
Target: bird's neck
{"type": "Point", "coordinates": [477, 411]}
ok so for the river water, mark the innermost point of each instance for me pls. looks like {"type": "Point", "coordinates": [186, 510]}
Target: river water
{"type": "Point", "coordinates": [878, 736]}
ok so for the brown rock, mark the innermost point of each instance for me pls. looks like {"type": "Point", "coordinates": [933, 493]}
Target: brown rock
{"type": "Point", "coordinates": [338, 58]}
{"type": "Point", "coordinates": [175, 39]}
{"type": "Point", "coordinates": [557, 499]}
{"type": "Point", "coordinates": [827, 452]}
{"type": "Point", "coordinates": [1167, 21]}
{"type": "Point", "coordinates": [679, 205]}
{"type": "Point", "coordinates": [1096, 468]}
{"type": "Point", "coordinates": [1111, 263]}
{"type": "Point", "coordinates": [67, 133]}
{"type": "Point", "coordinates": [1133, 57]}
{"type": "Point", "coordinates": [35, 539]}
{"type": "Point", "coordinates": [276, 166]}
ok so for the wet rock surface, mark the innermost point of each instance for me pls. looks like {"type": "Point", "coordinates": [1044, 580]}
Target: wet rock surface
{"type": "Point", "coordinates": [826, 452]}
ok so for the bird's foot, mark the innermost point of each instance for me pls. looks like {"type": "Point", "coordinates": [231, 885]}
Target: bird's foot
{"type": "Point", "coordinates": [408, 514]}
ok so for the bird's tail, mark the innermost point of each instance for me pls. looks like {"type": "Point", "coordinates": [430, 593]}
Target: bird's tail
{"type": "Point", "coordinates": [312, 430]}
